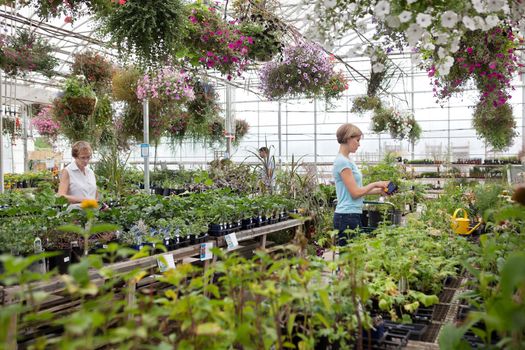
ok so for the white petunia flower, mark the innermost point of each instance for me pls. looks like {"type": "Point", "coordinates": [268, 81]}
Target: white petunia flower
{"type": "Point", "coordinates": [411, 1]}
{"type": "Point", "coordinates": [480, 9]}
{"type": "Point", "coordinates": [491, 21]}
{"type": "Point", "coordinates": [449, 19]}
{"type": "Point", "coordinates": [454, 46]}
{"type": "Point", "coordinates": [480, 23]}
{"type": "Point", "coordinates": [506, 8]}
{"type": "Point", "coordinates": [429, 46]}
{"type": "Point", "coordinates": [442, 53]}
{"type": "Point", "coordinates": [478, 6]}
{"type": "Point", "coordinates": [378, 67]}
{"type": "Point", "coordinates": [405, 16]}
{"type": "Point", "coordinates": [413, 33]}
{"type": "Point", "coordinates": [423, 19]}
{"type": "Point", "coordinates": [351, 7]}
{"type": "Point", "coordinates": [393, 21]}
{"type": "Point", "coordinates": [469, 23]}
{"type": "Point", "coordinates": [443, 70]}
{"type": "Point", "coordinates": [494, 5]}
{"type": "Point", "coordinates": [442, 38]}
{"type": "Point", "coordinates": [382, 9]}
{"type": "Point", "coordinates": [449, 61]}
{"type": "Point", "coordinates": [330, 3]}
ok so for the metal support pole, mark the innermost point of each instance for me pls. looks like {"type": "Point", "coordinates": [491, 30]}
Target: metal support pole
{"type": "Point", "coordinates": [286, 132]}
{"type": "Point", "coordinates": [228, 120]}
{"type": "Point", "coordinates": [523, 111]}
{"type": "Point", "coordinates": [449, 146]}
{"type": "Point", "coordinates": [412, 102]}
{"type": "Point", "coordinates": [1, 137]}
{"type": "Point", "coordinates": [145, 106]}
{"type": "Point", "coordinates": [258, 125]}
{"type": "Point", "coordinates": [25, 112]}
{"type": "Point", "coordinates": [279, 133]}
{"type": "Point", "coordinates": [315, 133]}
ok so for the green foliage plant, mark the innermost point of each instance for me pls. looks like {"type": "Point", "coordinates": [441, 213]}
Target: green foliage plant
{"type": "Point", "coordinates": [147, 29]}
{"type": "Point", "coordinates": [24, 52]}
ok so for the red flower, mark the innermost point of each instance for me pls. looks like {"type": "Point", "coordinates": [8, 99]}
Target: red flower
{"type": "Point", "coordinates": [68, 19]}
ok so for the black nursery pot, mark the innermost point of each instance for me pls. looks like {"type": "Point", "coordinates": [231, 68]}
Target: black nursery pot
{"type": "Point", "coordinates": [364, 219]}
{"type": "Point", "coordinates": [395, 217]}
{"type": "Point", "coordinates": [60, 261]}
{"type": "Point", "coordinates": [374, 218]}
{"type": "Point", "coordinates": [159, 191]}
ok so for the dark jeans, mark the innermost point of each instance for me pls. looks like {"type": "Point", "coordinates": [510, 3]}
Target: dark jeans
{"type": "Point", "coordinates": [344, 222]}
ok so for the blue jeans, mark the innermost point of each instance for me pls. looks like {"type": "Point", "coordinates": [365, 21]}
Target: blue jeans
{"type": "Point", "coordinates": [344, 222]}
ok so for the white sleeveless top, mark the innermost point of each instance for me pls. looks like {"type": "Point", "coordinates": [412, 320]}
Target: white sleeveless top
{"type": "Point", "coordinates": [80, 185]}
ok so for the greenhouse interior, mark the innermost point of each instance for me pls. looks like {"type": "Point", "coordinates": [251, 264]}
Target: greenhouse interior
{"type": "Point", "coordinates": [262, 174]}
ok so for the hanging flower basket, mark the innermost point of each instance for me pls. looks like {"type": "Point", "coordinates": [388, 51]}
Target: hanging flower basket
{"type": "Point", "coordinates": [82, 105]}
{"type": "Point", "coordinates": [26, 52]}
{"type": "Point", "coordinates": [45, 124]}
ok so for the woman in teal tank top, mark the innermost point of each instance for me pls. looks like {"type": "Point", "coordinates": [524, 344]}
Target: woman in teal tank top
{"type": "Point", "coordinates": [349, 183]}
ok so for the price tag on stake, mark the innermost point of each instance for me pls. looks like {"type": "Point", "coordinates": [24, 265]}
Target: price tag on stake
{"type": "Point", "coordinates": [231, 241]}
{"type": "Point", "coordinates": [206, 253]}
{"type": "Point", "coordinates": [167, 264]}
{"type": "Point", "coordinates": [144, 150]}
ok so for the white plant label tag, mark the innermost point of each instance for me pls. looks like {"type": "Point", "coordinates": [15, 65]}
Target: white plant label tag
{"type": "Point", "coordinates": [231, 241]}
{"type": "Point", "coordinates": [169, 263]}
{"type": "Point", "coordinates": [206, 253]}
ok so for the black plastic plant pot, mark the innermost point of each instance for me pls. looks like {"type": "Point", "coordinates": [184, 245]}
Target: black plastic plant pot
{"type": "Point", "coordinates": [60, 261]}
{"type": "Point", "coordinates": [184, 242]}
{"type": "Point", "coordinates": [166, 192]}
{"type": "Point", "coordinates": [364, 219]}
{"type": "Point", "coordinates": [395, 217]}
{"type": "Point", "coordinates": [159, 191]}
{"type": "Point", "coordinates": [374, 218]}
{"type": "Point", "coordinates": [76, 254]}
{"type": "Point", "coordinates": [246, 223]}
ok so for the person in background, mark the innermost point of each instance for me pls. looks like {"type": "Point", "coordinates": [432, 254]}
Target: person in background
{"type": "Point", "coordinates": [77, 181]}
{"type": "Point", "coordinates": [349, 183]}
{"type": "Point", "coordinates": [268, 170]}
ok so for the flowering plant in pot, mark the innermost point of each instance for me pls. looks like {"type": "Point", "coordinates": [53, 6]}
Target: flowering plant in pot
{"type": "Point", "coordinates": [12, 127]}
{"type": "Point", "coordinates": [168, 84]}
{"type": "Point", "coordinates": [336, 86]}
{"type": "Point", "coordinates": [70, 8]}
{"type": "Point", "coordinates": [400, 125]}
{"type": "Point", "coordinates": [266, 39]}
{"type": "Point", "coordinates": [365, 103]}
{"type": "Point", "coordinates": [124, 84]}
{"type": "Point", "coordinates": [205, 106]}
{"type": "Point", "coordinates": [304, 71]}
{"type": "Point", "coordinates": [422, 25]}
{"type": "Point", "coordinates": [45, 124]}
{"type": "Point", "coordinates": [496, 125]}
{"type": "Point", "coordinates": [149, 30]}
{"type": "Point", "coordinates": [79, 96]}
{"type": "Point", "coordinates": [96, 69]}
{"type": "Point", "coordinates": [241, 128]}
{"type": "Point", "coordinates": [488, 59]}
{"type": "Point", "coordinates": [215, 44]}
{"type": "Point", "coordinates": [24, 52]}
{"type": "Point", "coordinates": [257, 20]}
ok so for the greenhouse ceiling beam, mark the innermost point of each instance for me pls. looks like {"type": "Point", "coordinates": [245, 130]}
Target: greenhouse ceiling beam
{"type": "Point", "coordinates": [57, 31]}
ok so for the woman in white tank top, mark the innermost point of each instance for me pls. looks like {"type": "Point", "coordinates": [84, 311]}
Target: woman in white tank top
{"type": "Point", "coordinates": [77, 181]}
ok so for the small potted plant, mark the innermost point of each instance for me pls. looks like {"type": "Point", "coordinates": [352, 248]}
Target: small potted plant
{"type": "Point", "coordinates": [79, 96]}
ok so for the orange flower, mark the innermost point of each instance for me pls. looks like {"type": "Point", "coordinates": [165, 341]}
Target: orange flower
{"type": "Point", "coordinates": [89, 204]}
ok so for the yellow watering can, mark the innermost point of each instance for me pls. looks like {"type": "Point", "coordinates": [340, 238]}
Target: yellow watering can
{"type": "Point", "coordinates": [461, 225]}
